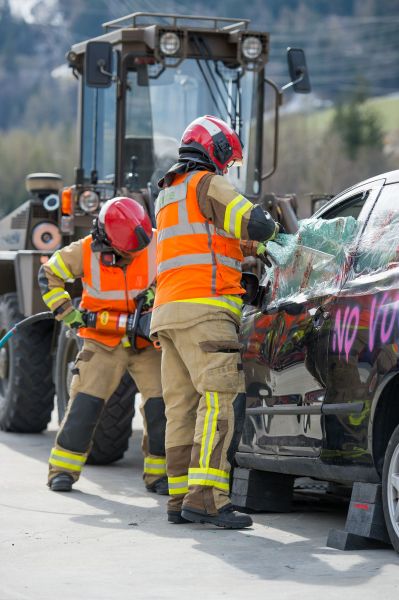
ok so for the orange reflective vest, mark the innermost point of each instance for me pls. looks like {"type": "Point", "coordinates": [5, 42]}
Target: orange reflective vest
{"type": "Point", "coordinates": [114, 288]}
{"type": "Point", "coordinates": [195, 261]}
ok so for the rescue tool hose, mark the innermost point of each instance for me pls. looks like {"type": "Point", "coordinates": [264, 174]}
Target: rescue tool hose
{"type": "Point", "coordinates": [25, 323]}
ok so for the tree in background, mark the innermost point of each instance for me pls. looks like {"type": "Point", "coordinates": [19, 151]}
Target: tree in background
{"type": "Point", "coordinates": [357, 125]}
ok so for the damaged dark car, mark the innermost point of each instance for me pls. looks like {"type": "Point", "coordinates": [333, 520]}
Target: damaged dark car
{"type": "Point", "coordinates": [321, 355]}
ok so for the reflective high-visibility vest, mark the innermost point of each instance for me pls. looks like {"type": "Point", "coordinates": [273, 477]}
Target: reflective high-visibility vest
{"type": "Point", "coordinates": [114, 288]}
{"type": "Point", "coordinates": [196, 262]}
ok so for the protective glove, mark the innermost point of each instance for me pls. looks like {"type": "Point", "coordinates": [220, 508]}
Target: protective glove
{"type": "Point", "coordinates": [149, 296]}
{"type": "Point", "coordinates": [261, 250]}
{"type": "Point", "coordinates": [74, 319]}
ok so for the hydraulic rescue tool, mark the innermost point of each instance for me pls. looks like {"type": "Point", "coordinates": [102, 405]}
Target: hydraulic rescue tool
{"type": "Point", "coordinates": [133, 325]}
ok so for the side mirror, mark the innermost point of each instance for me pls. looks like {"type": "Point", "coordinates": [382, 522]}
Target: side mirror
{"type": "Point", "coordinates": [298, 71]}
{"type": "Point", "coordinates": [98, 64]}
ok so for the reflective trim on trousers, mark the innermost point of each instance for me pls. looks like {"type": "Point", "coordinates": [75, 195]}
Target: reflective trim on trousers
{"type": "Point", "coordinates": [155, 466]}
{"type": "Point", "coordinates": [178, 485]}
{"type": "Point", "coordinates": [232, 303]}
{"type": "Point", "coordinates": [208, 434]}
{"type": "Point", "coordinates": [59, 268]}
{"type": "Point", "coordinates": [234, 213]}
{"type": "Point", "coordinates": [54, 295]}
{"type": "Point", "coordinates": [66, 460]}
{"type": "Point", "coordinates": [209, 477]}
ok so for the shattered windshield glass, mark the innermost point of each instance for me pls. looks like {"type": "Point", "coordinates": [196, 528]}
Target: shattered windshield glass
{"type": "Point", "coordinates": [161, 103]}
{"type": "Point", "coordinates": [310, 261]}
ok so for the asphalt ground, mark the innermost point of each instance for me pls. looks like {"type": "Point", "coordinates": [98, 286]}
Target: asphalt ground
{"type": "Point", "coordinates": [109, 540]}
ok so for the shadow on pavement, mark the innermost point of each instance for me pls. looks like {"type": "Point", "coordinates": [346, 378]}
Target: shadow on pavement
{"type": "Point", "coordinates": [285, 547]}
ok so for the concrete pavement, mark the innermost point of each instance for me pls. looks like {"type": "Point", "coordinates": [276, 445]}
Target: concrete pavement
{"type": "Point", "coordinates": [109, 540]}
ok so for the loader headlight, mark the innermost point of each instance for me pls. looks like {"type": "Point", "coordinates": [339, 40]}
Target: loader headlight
{"type": "Point", "coordinates": [46, 236]}
{"type": "Point", "coordinates": [251, 47]}
{"type": "Point", "coordinates": [89, 201]}
{"type": "Point", "coordinates": [169, 43]}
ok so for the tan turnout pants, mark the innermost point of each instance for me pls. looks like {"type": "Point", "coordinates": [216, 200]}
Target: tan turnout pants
{"type": "Point", "coordinates": [202, 378]}
{"type": "Point", "coordinates": [98, 372]}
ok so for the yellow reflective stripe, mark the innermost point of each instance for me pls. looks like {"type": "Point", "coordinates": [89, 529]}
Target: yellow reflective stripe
{"type": "Point", "coordinates": [209, 471]}
{"type": "Point", "coordinates": [65, 465]}
{"type": "Point", "coordinates": [154, 471]}
{"type": "Point", "coordinates": [54, 295]}
{"type": "Point", "coordinates": [236, 299]}
{"type": "Point", "coordinates": [178, 485]}
{"type": "Point", "coordinates": [178, 491]}
{"type": "Point", "coordinates": [78, 457]}
{"type": "Point", "coordinates": [125, 342]}
{"type": "Point", "coordinates": [208, 434]}
{"type": "Point", "coordinates": [234, 213]}
{"type": "Point", "coordinates": [155, 466]}
{"type": "Point", "coordinates": [238, 220]}
{"type": "Point", "coordinates": [227, 214]}
{"type": "Point", "coordinates": [213, 302]}
{"type": "Point", "coordinates": [209, 477]}
{"type": "Point", "coordinates": [59, 268]}
{"type": "Point", "coordinates": [210, 483]}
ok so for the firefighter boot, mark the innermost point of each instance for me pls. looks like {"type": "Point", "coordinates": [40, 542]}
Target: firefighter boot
{"type": "Point", "coordinates": [174, 516]}
{"type": "Point", "coordinates": [160, 486]}
{"type": "Point", "coordinates": [226, 517]}
{"type": "Point", "coordinates": [61, 483]}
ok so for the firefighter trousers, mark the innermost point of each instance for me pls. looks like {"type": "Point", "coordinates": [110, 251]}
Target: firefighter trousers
{"type": "Point", "coordinates": [98, 372]}
{"type": "Point", "coordinates": [203, 385]}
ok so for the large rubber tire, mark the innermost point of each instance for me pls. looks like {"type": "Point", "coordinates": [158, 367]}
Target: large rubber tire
{"type": "Point", "coordinates": [390, 488]}
{"type": "Point", "coordinates": [26, 385]}
{"type": "Point", "coordinates": [111, 439]}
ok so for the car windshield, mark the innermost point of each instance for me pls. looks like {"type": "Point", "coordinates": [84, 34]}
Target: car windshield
{"type": "Point", "coordinates": [160, 103]}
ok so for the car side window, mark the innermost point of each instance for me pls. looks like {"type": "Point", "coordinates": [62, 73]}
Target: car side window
{"type": "Point", "coordinates": [351, 207]}
{"type": "Point", "coordinates": [378, 247]}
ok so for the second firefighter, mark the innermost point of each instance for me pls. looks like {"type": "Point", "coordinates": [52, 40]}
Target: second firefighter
{"type": "Point", "coordinates": [116, 264]}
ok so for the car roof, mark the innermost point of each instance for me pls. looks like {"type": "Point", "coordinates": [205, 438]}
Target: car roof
{"type": "Point", "coordinates": [389, 177]}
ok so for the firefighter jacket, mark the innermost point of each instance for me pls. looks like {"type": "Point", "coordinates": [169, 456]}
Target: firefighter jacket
{"type": "Point", "coordinates": [200, 221]}
{"type": "Point", "coordinates": [105, 288]}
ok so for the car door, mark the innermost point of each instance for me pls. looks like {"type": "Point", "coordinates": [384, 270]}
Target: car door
{"type": "Point", "coordinates": [363, 348]}
{"type": "Point", "coordinates": [286, 345]}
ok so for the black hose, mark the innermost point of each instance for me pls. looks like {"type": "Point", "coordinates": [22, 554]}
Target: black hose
{"type": "Point", "coordinates": [28, 321]}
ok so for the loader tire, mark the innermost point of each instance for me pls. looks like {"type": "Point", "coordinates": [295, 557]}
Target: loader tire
{"type": "Point", "coordinates": [26, 385]}
{"type": "Point", "coordinates": [111, 439]}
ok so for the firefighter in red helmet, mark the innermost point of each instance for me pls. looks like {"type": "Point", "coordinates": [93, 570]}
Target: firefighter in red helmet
{"type": "Point", "coordinates": [116, 264]}
{"type": "Point", "coordinates": [201, 219]}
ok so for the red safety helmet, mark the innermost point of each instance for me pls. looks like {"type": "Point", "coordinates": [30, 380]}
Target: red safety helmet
{"type": "Point", "coordinates": [125, 225]}
{"type": "Point", "coordinates": [214, 138]}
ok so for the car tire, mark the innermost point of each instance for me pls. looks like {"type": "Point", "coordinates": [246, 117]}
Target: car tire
{"type": "Point", "coordinates": [111, 439]}
{"type": "Point", "coordinates": [390, 488]}
{"type": "Point", "coordinates": [26, 385]}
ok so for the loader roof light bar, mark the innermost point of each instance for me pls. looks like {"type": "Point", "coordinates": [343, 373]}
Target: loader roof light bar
{"type": "Point", "coordinates": [219, 23]}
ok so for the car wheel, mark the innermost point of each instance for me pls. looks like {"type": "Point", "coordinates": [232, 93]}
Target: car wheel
{"type": "Point", "coordinates": [390, 489]}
